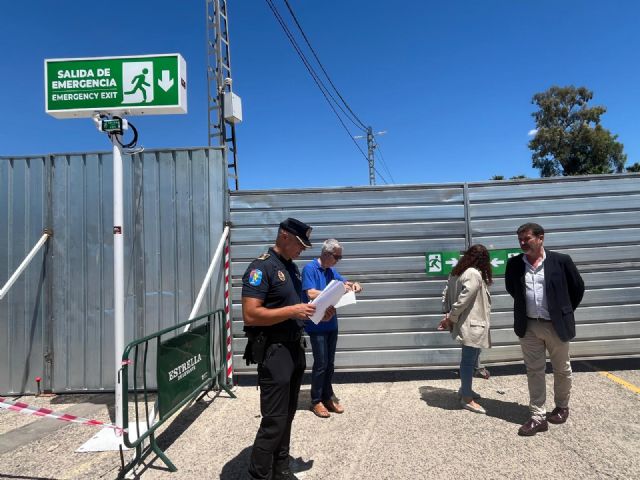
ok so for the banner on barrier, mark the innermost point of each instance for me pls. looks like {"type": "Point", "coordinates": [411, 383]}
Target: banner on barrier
{"type": "Point", "coordinates": [183, 364]}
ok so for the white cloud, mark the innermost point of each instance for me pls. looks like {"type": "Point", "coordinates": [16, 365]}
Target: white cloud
{"type": "Point", "coordinates": [532, 133]}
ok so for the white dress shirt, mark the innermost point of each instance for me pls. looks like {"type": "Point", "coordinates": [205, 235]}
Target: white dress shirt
{"type": "Point", "coordinates": [534, 289]}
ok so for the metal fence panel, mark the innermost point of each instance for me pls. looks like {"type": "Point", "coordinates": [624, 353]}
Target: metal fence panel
{"type": "Point", "coordinates": [23, 195]}
{"type": "Point", "coordinates": [175, 205]}
{"type": "Point", "coordinates": [59, 315]}
{"type": "Point", "coordinates": [385, 232]}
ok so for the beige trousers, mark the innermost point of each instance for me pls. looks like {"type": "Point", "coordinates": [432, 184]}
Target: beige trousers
{"type": "Point", "coordinates": [541, 336]}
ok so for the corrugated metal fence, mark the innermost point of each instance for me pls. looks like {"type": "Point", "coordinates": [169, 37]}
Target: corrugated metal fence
{"type": "Point", "coordinates": [57, 320]}
{"type": "Point", "coordinates": [385, 232]}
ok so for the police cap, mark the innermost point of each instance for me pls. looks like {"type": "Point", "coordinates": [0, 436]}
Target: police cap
{"type": "Point", "coordinates": [302, 231]}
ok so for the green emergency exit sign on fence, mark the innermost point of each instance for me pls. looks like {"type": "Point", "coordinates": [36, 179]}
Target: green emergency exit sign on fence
{"type": "Point", "coordinates": [441, 263]}
{"type": "Point", "coordinates": [142, 85]}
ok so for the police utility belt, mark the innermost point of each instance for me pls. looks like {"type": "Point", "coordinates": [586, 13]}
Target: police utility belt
{"type": "Point", "coordinates": [258, 342]}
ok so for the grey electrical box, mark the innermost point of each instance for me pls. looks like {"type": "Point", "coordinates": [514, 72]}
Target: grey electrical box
{"type": "Point", "coordinates": [232, 108]}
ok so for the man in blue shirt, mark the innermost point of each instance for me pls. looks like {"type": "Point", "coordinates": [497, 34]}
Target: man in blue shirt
{"type": "Point", "coordinates": [324, 336]}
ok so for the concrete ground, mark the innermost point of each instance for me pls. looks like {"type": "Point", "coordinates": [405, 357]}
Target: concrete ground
{"type": "Point", "coordinates": [404, 425]}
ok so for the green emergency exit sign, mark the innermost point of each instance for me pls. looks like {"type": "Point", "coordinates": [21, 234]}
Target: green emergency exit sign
{"type": "Point", "coordinates": [441, 263]}
{"type": "Point", "coordinates": [141, 85]}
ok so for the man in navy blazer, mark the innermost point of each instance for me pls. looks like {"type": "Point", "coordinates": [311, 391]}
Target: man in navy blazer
{"type": "Point", "coordinates": [546, 288]}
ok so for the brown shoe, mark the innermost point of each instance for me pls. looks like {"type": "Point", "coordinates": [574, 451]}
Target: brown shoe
{"type": "Point", "coordinates": [333, 406]}
{"type": "Point", "coordinates": [532, 427]}
{"type": "Point", "coordinates": [558, 415]}
{"type": "Point", "coordinates": [320, 410]}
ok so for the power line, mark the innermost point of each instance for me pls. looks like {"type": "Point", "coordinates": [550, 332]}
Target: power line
{"type": "Point", "coordinates": [295, 19]}
{"type": "Point", "coordinates": [384, 163]}
{"type": "Point", "coordinates": [323, 89]}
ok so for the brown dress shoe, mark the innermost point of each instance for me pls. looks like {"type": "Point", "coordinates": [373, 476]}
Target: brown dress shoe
{"type": "Point", "coordinates": [320, 410]}
{"type": "Point", "coordinates": [558, 415]}
{"type": "Point", "coordinates": [532, 427]}
{"type": "Point", "coordinates": [333, 406]}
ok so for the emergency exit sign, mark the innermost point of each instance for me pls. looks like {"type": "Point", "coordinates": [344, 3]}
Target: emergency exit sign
{"type": "Point", "coordinates": [141, 85]}
{"type": "Point", "coordinates": [441, 263]}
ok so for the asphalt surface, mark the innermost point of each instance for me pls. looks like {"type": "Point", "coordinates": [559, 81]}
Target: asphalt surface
{"type": "Point", "coordinates": [405, 425]}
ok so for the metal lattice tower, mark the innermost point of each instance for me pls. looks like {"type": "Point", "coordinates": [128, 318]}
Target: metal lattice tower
{"type": "Point", "coordinates": [219, 77]}
{"type": "Point", "coordinates": [371, 146]}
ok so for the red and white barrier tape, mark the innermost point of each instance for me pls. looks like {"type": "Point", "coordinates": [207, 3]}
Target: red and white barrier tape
{"type": "Point", "coordinates": [228, 314]}
{"type": "Point", "coordinates": [47, 413]}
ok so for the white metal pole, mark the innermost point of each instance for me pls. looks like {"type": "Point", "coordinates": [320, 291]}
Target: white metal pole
{"type": "Point", "coordinates": [118, 272]}
{"type": "Point", "coordinates": [207, 277]}
{"type": "Point", "coordinates": [23, 265]}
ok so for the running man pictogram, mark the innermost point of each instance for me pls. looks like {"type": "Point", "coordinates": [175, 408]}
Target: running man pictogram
{"type": "Point", "coordinates": [139, 84]}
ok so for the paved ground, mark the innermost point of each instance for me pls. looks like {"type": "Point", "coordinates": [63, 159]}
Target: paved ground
{"type": "Point", "coordinates": [396, 426]}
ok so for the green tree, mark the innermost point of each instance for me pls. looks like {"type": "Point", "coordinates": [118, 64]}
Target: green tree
{"type": "Point", "coordinates": [635, 168]}
{"type": "Point", "coordinates": [569, 139]}
{"type": "Point", "coordinates": [497, 177]}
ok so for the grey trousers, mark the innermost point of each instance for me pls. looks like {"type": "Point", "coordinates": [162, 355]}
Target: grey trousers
{"type": "Point", "coordinates": [540, 338]}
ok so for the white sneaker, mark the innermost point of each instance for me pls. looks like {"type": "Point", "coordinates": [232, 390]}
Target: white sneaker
{"type": "Point", "coordinates": [471, 408]}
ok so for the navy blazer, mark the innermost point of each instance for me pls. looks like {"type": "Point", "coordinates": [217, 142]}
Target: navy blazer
{"type": "Point", "coordinates": [564, 289]}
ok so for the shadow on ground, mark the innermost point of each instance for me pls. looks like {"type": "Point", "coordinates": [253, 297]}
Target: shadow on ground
{"type": "Point", "coordinates": [249, 379]}
{"type": "Point", "coordinates": [446, 399]}
{"type": "Point", "coordinates": [618, 364]}
{"type": "Point", "coordinates": [237, 467]}
{"type": "Point", "coordinates": [177, 426]}
{"type": "Point", "coordinates": [21, 477]}
{"type": "Point", "coordinates": [304, 400]}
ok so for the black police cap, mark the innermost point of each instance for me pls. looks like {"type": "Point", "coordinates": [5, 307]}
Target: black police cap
{"type": "Point", "coordinates": [302, 231]}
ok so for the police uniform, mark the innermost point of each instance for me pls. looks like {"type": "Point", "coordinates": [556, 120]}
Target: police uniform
{"type": "Point", "coordinates": [277, 283]}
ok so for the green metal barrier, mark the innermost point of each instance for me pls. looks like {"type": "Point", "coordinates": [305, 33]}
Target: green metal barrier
{"type": "Point", "coordinates": [186, 365]}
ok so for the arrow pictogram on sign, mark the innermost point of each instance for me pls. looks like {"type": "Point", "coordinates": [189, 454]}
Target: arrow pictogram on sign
{"type": "Point", "coordinates": [452, 261]}
{"type": "Point", "coordinates": [165, 82]}
{"type": "Point", "coordinates": [495, 262]}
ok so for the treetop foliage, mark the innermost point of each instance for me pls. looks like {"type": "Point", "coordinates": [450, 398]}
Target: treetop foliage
{"type": "Point", "coordinates": [569, 139]}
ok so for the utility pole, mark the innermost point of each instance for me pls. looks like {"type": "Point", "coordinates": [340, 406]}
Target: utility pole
{"type": "Point", "coordinates": [371, 147]}
{"type": "Point", "coordinates": [221, 132]}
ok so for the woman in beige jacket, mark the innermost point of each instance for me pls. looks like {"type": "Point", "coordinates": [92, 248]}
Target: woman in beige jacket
{"type": "Point", "coordinates": [467, 300]}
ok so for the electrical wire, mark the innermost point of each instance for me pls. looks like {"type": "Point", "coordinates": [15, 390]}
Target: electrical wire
{"type": "Point", "coordinates": [381, 176]}
{"type": "Point", "coordinates": [295, 19]}
{"type": "Point", "coordinates": [384, 163]}
{"type": "Point", "coordinates": [326, 94]}
{"type": "Point", "coordinates": [316, 78]}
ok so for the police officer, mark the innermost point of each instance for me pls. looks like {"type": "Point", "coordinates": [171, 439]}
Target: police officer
{"type": "Point", "coordinates": [273, 317]}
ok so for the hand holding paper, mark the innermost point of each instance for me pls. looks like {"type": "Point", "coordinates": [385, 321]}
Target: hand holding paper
{"type": "Point", "coordinates": [329, 297]}
{"type": "Point", "coordinates": [348, 298]}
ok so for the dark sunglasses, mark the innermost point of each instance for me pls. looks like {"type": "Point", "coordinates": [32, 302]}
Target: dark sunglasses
{"type": "Point", "coordinates": [336, 257]}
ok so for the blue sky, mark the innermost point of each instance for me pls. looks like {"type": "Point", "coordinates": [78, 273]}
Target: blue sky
{"type": "Point", "coordinates": [451, 82]}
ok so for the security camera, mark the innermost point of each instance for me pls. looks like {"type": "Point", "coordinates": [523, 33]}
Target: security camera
{"type": "Point", "coordinates": [228, 81]}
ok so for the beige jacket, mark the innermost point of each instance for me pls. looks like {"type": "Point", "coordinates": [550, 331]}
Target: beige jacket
{"type": "Point", "coordinates": [467, 300]}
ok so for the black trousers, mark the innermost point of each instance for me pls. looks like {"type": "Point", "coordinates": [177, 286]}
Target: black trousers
{"type": "Point", "coordinates": [279, 377]}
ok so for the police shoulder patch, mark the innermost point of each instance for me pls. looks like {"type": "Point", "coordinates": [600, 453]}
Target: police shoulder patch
{"type": "Point", "coordinates": [264, 256]}
{"type": "Point", "coordinates": [255, 277]}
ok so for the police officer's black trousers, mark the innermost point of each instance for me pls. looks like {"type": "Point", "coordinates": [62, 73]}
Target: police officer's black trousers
{"type": "Point", "coordinates": [279, 377]}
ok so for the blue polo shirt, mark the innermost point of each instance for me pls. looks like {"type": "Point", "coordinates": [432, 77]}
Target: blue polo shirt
{"type": "Point", "coordinates": [317, 278]}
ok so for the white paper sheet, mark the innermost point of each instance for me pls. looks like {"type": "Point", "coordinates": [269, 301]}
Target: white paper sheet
{"type": "Point", "coordinates": [327, 298]}
{"type": "Point", "coordinates": [348, 298]}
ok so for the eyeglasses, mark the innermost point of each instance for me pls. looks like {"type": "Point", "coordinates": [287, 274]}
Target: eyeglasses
{"type": "Point", "coordinates": [337, 258]}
